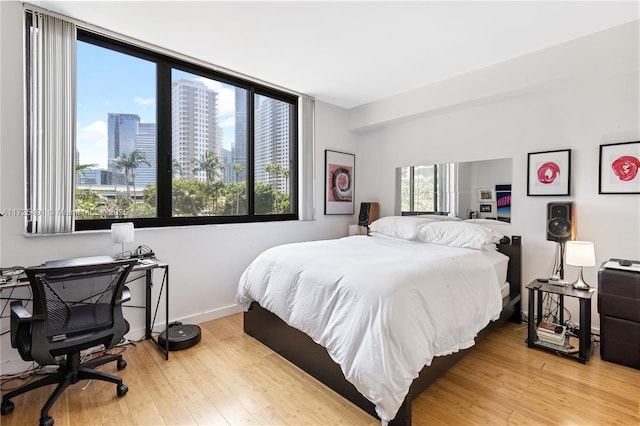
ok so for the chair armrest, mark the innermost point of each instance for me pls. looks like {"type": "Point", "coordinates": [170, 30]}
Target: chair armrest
{"type": "Point", "coordinates": [20, 324]}
{"type": "Point", "coordinates": [125, 297]}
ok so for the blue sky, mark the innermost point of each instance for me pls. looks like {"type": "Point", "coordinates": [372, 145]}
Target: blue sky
{"type": "Point", "coordinates": [109, 81]}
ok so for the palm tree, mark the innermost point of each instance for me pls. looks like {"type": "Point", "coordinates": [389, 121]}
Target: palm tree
{"type": "Point", "coordinates": [211, 165]}
{"type": "Point", "coordinates": [237, 168]}
{"type": "Point", "coordinates": [176, 169]}
{"type": "Point", "coordinates": [286, 173]}
{"type": "Point", "coordinates": [129, 163]}
{"type": "Point", "coordinates": [273, 169]}
{"type": "Point", "coordinates": [80, 168]}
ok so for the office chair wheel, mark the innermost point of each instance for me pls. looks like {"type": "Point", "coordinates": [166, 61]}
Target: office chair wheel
{"type": "Point", "coordinates": [122, 364]}
{"type": "Point", "coordinates": [7, 407]}
{"type": "Point", "coordinates": [46, 421]}
{"type": "Point", "coordinates": [122, 390]}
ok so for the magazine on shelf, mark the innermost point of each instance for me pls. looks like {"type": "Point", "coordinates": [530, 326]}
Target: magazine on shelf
{"type": "Point", "coordinates": [551, 332]}
{"type": "Point", "coordinates": [567, 348]}
{"type": "Point", "coordinates": [556, 340]}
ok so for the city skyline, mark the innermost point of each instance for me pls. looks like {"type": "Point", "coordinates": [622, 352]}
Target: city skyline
{"type": "Point", "coordinates": [133, 93]}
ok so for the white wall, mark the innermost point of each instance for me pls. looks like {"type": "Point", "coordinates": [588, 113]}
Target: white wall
{"type": "Point", "coordinates": [596, 106]}
{"type": "Point", "coordinates": [205, 261]}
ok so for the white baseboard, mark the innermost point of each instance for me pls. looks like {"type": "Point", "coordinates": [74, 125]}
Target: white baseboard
{"type": "Point", "coordinates": [136, 334]}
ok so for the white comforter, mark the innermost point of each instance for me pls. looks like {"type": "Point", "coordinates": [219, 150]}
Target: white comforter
{"type": "Point", "coordinates": [382, 307]}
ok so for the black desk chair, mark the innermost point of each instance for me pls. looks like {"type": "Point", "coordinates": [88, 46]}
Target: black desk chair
{"type": "Point", "coordinates": [74, 308]}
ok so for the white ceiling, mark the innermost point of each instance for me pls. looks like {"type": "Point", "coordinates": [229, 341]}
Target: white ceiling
{"type": "Point", "coordinates": [352, 53]}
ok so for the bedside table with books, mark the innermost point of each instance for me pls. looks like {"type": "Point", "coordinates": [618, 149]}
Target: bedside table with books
{"type": "Point", "coordinates": [556, 337]}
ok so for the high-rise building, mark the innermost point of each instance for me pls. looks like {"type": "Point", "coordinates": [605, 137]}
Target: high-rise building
{"type": "Point", "coordinates": [146, 144]}
{"type": "Point", "coordinates": [194, 111]}
{"type": "Point", "coordinates": [122, 130]}
{"type": "Point", "coordinates": [227, 158]}
{"type": "Point", "coordinates": [239, 154]}
{"type": "Point", "coordinates": [272, 142]}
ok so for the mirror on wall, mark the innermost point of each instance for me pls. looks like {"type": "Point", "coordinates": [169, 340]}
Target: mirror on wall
{"type": "Point", "coordinates": [473, 189]}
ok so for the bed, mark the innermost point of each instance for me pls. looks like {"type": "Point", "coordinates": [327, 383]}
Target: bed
{"type": "Point", "coordinates": [379, 318]}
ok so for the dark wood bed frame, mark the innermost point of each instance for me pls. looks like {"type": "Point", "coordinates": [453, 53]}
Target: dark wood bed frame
{"type": "Point", "coordinates": [302, 351]}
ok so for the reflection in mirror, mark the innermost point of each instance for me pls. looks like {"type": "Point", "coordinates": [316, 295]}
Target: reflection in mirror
{"type": "Point", "coordinates": [474, 189]}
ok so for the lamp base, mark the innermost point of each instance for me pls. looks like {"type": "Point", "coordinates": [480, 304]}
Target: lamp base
{"type": "Point", "coordinates": [579, 284]}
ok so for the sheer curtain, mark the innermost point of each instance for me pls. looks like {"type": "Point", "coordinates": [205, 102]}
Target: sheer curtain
{"type": "Point", "coordinates": [307, 147]}
{"type": "Point", "coordinates": [51, 112]}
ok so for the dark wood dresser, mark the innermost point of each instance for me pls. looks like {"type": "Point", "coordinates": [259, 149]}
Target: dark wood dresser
{"type": "Point", "coordinates": [619, 309]}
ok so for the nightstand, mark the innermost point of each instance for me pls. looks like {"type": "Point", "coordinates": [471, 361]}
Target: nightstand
{"type": "Point", "coordinates": [538, 289]}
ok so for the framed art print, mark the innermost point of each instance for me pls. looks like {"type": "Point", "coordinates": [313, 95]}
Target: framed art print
{"type": "Point", "coordinates": [619, 168]}
{"type": "Point", "coordinates": [338, 182]}
{"type": "Point", "coordinates": [549, 173]}
{"type": "Point", "coordinates": [503, 202]}
{"type": "Point", "coordinates": [485, 195]}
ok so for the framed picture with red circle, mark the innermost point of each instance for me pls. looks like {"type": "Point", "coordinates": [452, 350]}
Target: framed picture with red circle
{"type": "Point", "coordinates": [619, 168]}
{"type": "Point", "coordinates": [549, 173]}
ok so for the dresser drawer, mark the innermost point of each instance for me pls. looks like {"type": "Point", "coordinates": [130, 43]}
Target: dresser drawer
{"type": "Point", "coordinates": [620, 341]}
{"type": "Point", "coordinates": [619, 294]}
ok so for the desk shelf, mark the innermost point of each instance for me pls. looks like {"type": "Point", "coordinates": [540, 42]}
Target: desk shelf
{"type": "Point", "coordinates": [535, 314]}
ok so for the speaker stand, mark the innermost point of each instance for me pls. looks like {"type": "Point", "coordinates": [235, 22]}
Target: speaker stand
{"type": "Point", "coordinates": [558, 273]}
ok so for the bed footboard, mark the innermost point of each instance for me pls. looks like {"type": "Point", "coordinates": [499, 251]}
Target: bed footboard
{"type": "Point", "coordinates": [302, 351]}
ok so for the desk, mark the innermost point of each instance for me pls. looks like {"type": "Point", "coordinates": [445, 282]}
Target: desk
{"type": "Point", "coordinates": [584, 349]}
{"type": "Point", "coordinates": [147, 266]}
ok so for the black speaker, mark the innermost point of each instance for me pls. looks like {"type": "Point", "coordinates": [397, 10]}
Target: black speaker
{"type": "Point", "coordinates": [368, 213]}
{"type": "Point", "coordinates": [561, 222]}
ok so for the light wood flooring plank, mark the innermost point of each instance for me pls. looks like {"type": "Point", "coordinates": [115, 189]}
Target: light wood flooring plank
{"type": "Point", "coordinates": [231, 379]}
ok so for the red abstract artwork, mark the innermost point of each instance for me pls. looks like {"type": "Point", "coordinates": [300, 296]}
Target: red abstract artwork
{"type": "Point", "coordinates": [340, 183]}
{"type": "Point", "coordinates": [548, 172]}
{"type": "Point", "coordinates": [626, 167]}
{"type": "Point", "coordinates": [619, 168]}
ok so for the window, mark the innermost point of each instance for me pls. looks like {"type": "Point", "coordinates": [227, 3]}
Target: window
{"type": "Point", "coordinates": [161, 141]}
{"type": "Point", "coordinates": [418, 184]}
{"type": "Point", "coordinates": [429, 188]}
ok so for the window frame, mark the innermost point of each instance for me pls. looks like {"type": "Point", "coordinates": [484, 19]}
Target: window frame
{"type": "Point", "coordinates": [164, 65]}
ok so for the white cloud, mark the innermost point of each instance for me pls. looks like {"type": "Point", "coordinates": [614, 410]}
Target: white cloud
{"type": "Point", "coordinates": [92, 143]}
{"type": "Point", "coordinates": [144, 101]}
{"type": "Point", "coordinates": [226, 96]}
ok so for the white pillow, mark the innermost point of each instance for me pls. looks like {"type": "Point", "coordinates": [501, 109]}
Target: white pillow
{"type": "Point", "coordinates": [405, 227]}
{"type": "Point", "coordinates": [487, 221]}
{"type": "Point", "coordinates": [440, 217]}
{"type": "Point", "coordinates": [458, 234]}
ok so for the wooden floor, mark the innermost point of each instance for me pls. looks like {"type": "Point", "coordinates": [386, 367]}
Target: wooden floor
{"type": "Point", "coordinates": [230, 378]}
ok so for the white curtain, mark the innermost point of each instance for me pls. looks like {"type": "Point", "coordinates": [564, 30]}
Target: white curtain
{"type": "Point", "coordinates": [448, 188]}
{"type": "Point", "coordinates": [306, 123]}
{"type": "Point", "coordinates": [51, 110]}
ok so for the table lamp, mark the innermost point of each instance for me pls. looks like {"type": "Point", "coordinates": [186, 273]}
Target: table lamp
{"type": "Point", "coordinates": [580, 253]}
{"type": "Point", "coordinates": [122, 233]}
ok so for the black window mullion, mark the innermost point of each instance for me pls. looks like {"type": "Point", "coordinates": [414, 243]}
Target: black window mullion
{"type": "Point", "coordinates": [250, 154]}
{"type": "Point", "coordinates": [293, 159]}
{"type": "Point", "coordinates": [435, 188]}
{"type": "Point", "coordinates": [163, 123]}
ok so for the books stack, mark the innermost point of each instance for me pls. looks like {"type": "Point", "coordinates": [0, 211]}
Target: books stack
{"type": "Point", "coordinates": [549, 332]}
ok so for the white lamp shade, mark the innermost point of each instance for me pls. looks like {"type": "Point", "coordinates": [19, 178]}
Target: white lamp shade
{"type": "Point", "coordinates": [122, 232]}
{"type": "Point", "coordinates": [580, 253]}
